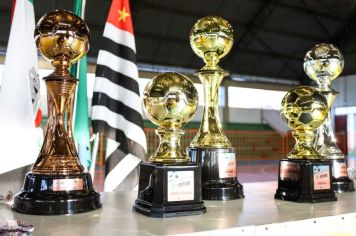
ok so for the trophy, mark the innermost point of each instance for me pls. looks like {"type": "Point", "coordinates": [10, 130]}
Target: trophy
{"type": "Point", "coordinates": [211, 39]}
{"type": "Point", "coordinates": [170, 185]}
{"type": "Point", "coordinates": [324, 63]}
{"type": "Point", "coordinates": [57, 183]}
{"type": "Point", "coordinates": [304, 176]}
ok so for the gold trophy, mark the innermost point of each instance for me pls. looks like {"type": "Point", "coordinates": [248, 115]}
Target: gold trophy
{"type": "Point", "coordinates": [324, 63]}
{"type": "Point", "coordinates": [57, 183]}
{"type": "Point", "coordinates": [304, 177]}
{"type": "Point", "coordinates": [211, 39]}
{"type": "Point", "coordinates": [170, 185]}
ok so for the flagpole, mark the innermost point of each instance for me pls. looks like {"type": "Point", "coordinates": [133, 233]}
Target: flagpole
{"type": "Point", "coordinates": [74, 112]}
{"type": "Point", "coordinates": [94, 154]}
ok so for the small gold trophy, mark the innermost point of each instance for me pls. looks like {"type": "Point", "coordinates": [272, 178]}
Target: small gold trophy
{"type": "Point", "coordinates": [324, 63]}
{"type": "Point", "coordinates": [170, 185]}
{"type": "Point", "coordinates": [304, 177]}
{"type": "Point", "coordinates": [211, 39]}
{"type": "Point", "coordinates": [57, 183]}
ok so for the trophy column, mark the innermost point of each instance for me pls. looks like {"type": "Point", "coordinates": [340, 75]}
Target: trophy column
{"type": "Point", "coordinates": [304, 176]}
{"type": "Point", "coordinates": [57, 183]}
{"type": "Point", "coordinates": [170, 185]}
{"type": "Point", "coordinates": [211, 39]}
{"type": "Point", "coordinates": [323, 64]}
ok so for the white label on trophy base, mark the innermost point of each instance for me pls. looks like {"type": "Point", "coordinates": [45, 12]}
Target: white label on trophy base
{"type": "Point", "coordinates": [289, 170]}
{"type": "Point", "coordinates": [180, 186]}
{"type": "Point", "coordinates": [321, 177]}
{"type": "Point", "coordinates": [67, 185]}
{"type": "Point", "coordinates": [227, 165]}
{"type": "Point", "coordinates": [339, 169]}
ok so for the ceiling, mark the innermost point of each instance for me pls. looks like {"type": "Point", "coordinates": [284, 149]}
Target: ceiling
{"type": "Point", "coordinates": [271, 37]}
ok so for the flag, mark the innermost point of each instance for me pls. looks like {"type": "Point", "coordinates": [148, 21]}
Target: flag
{"type": "Point", "coordinates": [116, 107]}
{"type": "Point", "coordinates": [19, 93]}
{"type": "Point", "coordinates": [81, 114]}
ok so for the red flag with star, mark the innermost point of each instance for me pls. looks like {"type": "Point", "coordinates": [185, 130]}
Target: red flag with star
{"type": "Point", "coordinates": [119, 15]}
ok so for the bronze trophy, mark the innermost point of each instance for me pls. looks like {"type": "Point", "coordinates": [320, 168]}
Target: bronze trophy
{"type": "Point", "coordinates": [211, 39]}
{"type": "Point", "coordinates": [304, 176]}
{"type": "Point", "coordinates": [57, 183]}
{"type": "Point", "coordinates": [170, 185]}
{"type": "Point", "coordinates": [324, 63]}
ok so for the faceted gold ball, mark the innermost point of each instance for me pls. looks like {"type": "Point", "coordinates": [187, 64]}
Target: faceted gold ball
{"type": "Point", "coordinates": [170, 100]}
{"type": "Point", "coordinates": [323, 63]}
{"type": "Point", "coordinates": [211, 34]}
{"type": "Point", "coordinates": [304, 107]}
{"type": "Point", "coordinates": [62, 36]}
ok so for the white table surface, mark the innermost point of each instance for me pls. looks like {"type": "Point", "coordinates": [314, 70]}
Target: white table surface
{"type": "Point", "coordinates": [117, 218]}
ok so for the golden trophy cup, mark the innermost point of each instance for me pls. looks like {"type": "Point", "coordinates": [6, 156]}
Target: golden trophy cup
{"type": "Point", "coordinates": [304, 176]}
{"type": "Point", "coordinates": [211, 39]}
{"type": "Point", "coordinates": [324, 63]}
{"type": "Point", "coordinates": [170, 185]}
{"type": "Point", "coordinates": [57, 183]}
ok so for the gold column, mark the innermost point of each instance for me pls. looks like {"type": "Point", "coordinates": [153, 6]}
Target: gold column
{"type": "Point", "coordinates": [211, 39]}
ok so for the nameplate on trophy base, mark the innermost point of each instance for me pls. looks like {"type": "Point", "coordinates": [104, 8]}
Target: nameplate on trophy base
{"type": "Point", "coordinates": [227, 165]}
{"type": "Point", "coordinates": [219, 176]}
{"type": "Point", "coordinates": [67, 184]}
{"type": "Point", "coordinates": [180, 186]}
{"type": "Point", "coordinates": [169, 190]}
{"type": "Point", "coordinates": [305, 181]}
{"type": "Point", "coordinates": [340, 179]}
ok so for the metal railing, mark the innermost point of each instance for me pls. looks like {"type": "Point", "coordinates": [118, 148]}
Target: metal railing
{"type": "Point", "coordinates": [249, 144]}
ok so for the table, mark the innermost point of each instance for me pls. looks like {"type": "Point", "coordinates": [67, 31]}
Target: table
{"type": "Point", "coordinates": [117, 218]}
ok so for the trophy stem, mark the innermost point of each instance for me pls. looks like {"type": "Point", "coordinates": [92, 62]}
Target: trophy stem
{"type": "Point", "coordinates": [304, 148]}
{"type": "Point", "coordinates": [169, 150]}
{"type": "Point", "coordinates": [58, 154]}
{"type": "Point", "coordinates": [326, 141]}
{"type": "Point", "coordinates": [61, 65]}
{"type": "Point", "coordinates": [210, 133]}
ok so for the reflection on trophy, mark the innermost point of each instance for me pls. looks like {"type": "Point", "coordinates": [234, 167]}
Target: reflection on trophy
{"type": "Point", "coordinates": [304, 177]}
{"type": "Point", "coordinates": [211, 39]}
{"type": "Point", "coordinates": [170, 185]}
{"type": "Point", "coordinates": [57, 183]}
{"type": "Point", "coordinates": [324, 63]}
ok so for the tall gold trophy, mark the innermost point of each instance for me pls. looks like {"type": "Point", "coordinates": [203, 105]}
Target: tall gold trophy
{"type": "Point", "coordinates": [57, 183]}
{"type": "Point", "coordinates": [324, 63]}
{"type": "Point", "coordinates": [211, 39]}
{"type": "Point", "coordinates": [304, 176]}
{"type": "Point", "coordinates": [170, 185]}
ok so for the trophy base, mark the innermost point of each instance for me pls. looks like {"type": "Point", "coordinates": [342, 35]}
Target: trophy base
{"type": "Point", "coordinates": [341, 182]}
{"type": "Point", "coordinates": [56, 195]}
{"type": "Point", "coordinates": [305, 181]}
{"type": "Point", "coordinates": [169, 190]}
{"type": "Point", "coordinates": [219, 176]}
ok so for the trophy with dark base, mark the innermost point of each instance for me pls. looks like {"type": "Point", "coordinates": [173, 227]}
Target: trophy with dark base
{"type": "Point", "coordinates": [57, 183]}
{"type": "Point", "coordinates": [323, 64]}
{"type": "Point", "coordinates": [211, 39]}
{"type": "Point", "coordinates": [170, 184]}
{"type": "Point", "coordinates": [304, 176]}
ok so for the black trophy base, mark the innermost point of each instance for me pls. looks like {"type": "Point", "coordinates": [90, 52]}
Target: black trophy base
{"type": "Point", "coordinates": [341, 182]}
{"type": "Point", "coordinates": [307, 181]}
{"type": "Point", "coordinates": [56, 195]}
{"type": "Point", "coordinates": [341, 185]}
{"type": "Point", "coordinates": [169, 190]}
{"type": "Point", "coordinates": [219, 173]}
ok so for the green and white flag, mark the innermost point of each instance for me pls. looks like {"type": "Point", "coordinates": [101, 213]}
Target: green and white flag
{"type": "Point", "coordinates": [19, 92]}
{"type": "Point", "coordinates": [81, 125]}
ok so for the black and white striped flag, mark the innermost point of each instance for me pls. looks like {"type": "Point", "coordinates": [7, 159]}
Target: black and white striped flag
{"type": "Point", "coordinates": [116, 107]}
